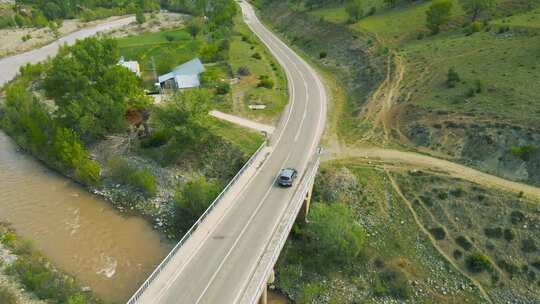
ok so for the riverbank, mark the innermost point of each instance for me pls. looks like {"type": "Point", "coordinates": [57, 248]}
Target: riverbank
{"type": "Point", "coordinates": [77, 231]}
{"type": "Point", "coordinates": [29, 278]}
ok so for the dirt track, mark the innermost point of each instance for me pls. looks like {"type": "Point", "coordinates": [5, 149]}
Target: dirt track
{"type": "Point", "coordinates": [425, 162]}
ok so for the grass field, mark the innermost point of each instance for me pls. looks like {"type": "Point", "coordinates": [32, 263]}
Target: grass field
{"type": "Point", "coordinates": [168, 49]}
{"type": "Point", "coordinates": [244, 46]}
{"type": "Point", "coordinates": [243, 139]}
{"type": "Point", "coordinates": [164, 49]}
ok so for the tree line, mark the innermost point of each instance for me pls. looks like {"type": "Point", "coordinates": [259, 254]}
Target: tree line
{"type": "Point", "coordinates": [90, 95]}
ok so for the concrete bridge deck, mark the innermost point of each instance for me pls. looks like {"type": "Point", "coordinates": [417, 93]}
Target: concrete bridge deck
{"type": "Point", "coordinates": [221, 259]}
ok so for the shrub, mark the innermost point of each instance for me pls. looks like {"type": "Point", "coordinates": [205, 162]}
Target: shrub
{"type": "Point", "coordinates": [478, 86]}
{"type": "Point", "coordinates": [523, 152]}
{"type": "Point", "coordinates": [243, 71]}
{"type": "Point", "coordinates": [510, 268]}
{"type": "Point", "coordinates": [265, 82]}
{"type": "Point", "coordinates": [442, 195]}
{"type": "Point", "coordinates": [191, 200]}
{"type": "Point", "coordinates": [257, 56]}
{"type": "Point", "coordinates": [334, 234]}
{"type": "Point", "coordinates": [372, 11]}
{"type": "Point", "coordinates": [508, 235]}
{"type": "Point", "coordinates": [494, 233]}
{"type": "Point", "coordinates": [6, 296]}
{"type": "Point", "coordinates": [457, 254]}
{"type": "Point", "coordinates": [528, 246]}
{"type": "Point", "coordinates": [452, 78]}
{"type": "Point", "coordinates": [35, 273]}
{"type": "Point", "coordinates": [223, 88]}
{"type": "Point", "coordinates": [322, 55]}
{"type": "Point", "coordinates": [122, 172]}
{"type": "Point", "coordinates": [438, 233]}
{"type": "Point", "coordinates": [170, 37]}
{"type": "Point", "coordinates": [139, 17]}
{"type": "Point", "coordinates": [438, 14]}
{"type": "Point", "coordinates": [458, 192]}
{"type": "Point", "coordinates": [517, 217]}
{"type": "Point", "coordinates": [475, 27]}
{"type": "Point", "coordinates": [464, 243]}
{"type": "Point", "coordinates": [392, 282]}
{"type": "Point", "coordinates": [156, 139]}
{"type": "Point", "coordinates": [478, 262]}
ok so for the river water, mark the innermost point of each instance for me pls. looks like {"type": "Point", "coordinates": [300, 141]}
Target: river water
{"type": "Point", "coordinates": [80, 233]}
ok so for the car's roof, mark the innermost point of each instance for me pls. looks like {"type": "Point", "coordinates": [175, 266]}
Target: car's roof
{"type": "Point", "coordinates": [287, 172]}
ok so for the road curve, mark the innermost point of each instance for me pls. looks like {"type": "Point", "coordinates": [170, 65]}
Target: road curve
{"type": "Point", "coordinates": [9, 66]}
{"type": "Point", "coordinates": [221, 264]}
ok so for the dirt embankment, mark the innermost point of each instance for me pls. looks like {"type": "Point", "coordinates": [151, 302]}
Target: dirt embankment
{"type": "Point", "coordinates": [506, 150]}
{"type": "Point", "coordinates": [354, 61]}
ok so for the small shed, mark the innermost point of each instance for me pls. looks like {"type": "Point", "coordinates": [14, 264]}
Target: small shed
{"type": "Point", "coordinates": [184, 76]}
{"type": "Point", "coordinates": [130, 65]}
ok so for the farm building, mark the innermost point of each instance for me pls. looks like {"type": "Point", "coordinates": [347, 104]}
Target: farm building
{"type": "Point", "coordinates": [183, 76]}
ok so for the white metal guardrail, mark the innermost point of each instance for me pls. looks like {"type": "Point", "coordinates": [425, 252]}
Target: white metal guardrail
{"type": "Point", "coordinates": [255, 288]}
{"type": "Point", "coordinates": [193, 228]}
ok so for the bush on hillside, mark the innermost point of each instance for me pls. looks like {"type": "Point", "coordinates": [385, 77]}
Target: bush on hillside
{"type": "Point", "coordinates": [438, 233]}
{"type": "Point", "coordinates": [438, 14]}
{"type": "Point", "coordinates": [191, 200]}
{"type": "Point", "coordinates": [223, 88]}
{"type": "Point", "coordinates": [122, 172]}
{"type": "Point", "coordinates": [6, 296]}
{"type": "Point", "coordinates": [522, 152]}
{"type": "Point", "coordinates": [243, 71]}
{"type": "Point", "coordinates": [494, 233]}
{"type": "Point", "coordinates": [333, 233]}
{"type": "Point", "coordinates": [452, 78]}
{"type": "Point", "coordinates": [393, 282]}
{"type": "Point", "coordinates": [509, 234]}
{"type": "Point", "coordinates": [463, 242]}
{"type": "Point", "coordinates": [265, 82]}
{"type": "Point", "coordinates": [528, 246]}
{"type": "Point", "coordinates": [478, 262]}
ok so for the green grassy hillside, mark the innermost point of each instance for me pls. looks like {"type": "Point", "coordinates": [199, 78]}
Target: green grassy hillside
{"type": "Point", "coordinates": [478, 120]}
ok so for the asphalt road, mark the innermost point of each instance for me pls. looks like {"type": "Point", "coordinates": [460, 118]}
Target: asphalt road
{"type": "Point", "coordinates": [225, 256]}
{"type": "Point", "coordinates": [9, 66]}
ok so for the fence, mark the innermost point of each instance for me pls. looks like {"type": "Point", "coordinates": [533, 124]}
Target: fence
{"type": "Point", "coordinates": [192, 230]}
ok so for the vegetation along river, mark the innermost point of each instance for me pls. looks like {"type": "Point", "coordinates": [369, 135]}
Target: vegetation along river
{"type": "Point", "coordinates": [80, 233]}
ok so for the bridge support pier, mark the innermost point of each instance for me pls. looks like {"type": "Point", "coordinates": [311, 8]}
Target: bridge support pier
{"type": "Point", "coordinates": [264, 295]}
{"type": "Point", "coordinates": [304, 211]}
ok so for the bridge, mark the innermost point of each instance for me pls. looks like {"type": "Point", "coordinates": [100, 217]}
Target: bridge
{"type": "Point", "coordinates": [229, 254]}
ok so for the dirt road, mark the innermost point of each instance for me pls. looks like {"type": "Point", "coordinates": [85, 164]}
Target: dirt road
{"type": "Point", "coordinates": [425, 162]}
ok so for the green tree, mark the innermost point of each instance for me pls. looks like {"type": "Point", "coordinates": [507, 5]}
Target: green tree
{"type": "Point", "coordinates": [391, 3]}
{"type": "Point", "coordinates": [476, 7]}
{"type": "Point", "coordinates": [90, 90]}
{"type": "Point", "coordinates": [184, 117]}
{"type": "Point", "coordinates": [354, 9]}
{"type": "Point", "coordinates": [192, 200]}
{"type": "Point", "coordinates": [438, 14]}
{"type": "Point", "coordinates": [194, 27]}
{"type": "Point", "coordinates": [334, 234]}
{"type": "Point", "coordinates": [139, 16]}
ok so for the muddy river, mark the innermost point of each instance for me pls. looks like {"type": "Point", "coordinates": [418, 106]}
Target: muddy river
{"type": "Point", "coordinates": [80, 233]}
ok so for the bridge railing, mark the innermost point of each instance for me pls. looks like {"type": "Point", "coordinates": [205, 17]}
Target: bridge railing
{"type": "Point", "coordinates": [193, 228]}
{"type": "Point", "coordinates": [273, 250]}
